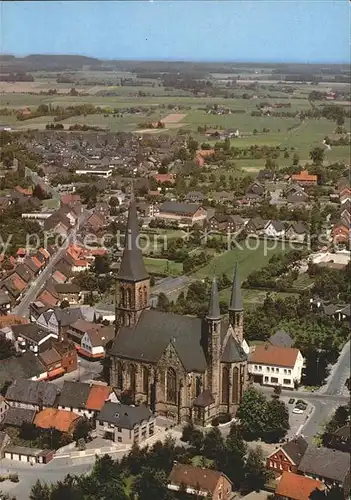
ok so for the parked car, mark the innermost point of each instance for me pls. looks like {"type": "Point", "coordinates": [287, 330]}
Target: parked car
{"type": "Point", "coordinates": [298, 410]}
{"type": "Point", "coordinates": [291, 401]}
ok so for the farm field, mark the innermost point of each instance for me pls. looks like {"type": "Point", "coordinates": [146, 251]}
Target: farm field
{"type": "Point", "coordinates": [252, 297]}
{"type": "Point", "coordinates": [248, 260]}
{"type": "Point", "coordinates": [163, 266]}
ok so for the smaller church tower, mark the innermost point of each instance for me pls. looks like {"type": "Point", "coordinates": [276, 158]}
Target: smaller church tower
{"type": "Point", "coordinates": [236, 309]}
{"type": "Point", "coordinates": [133, 282]}
{"type": "Point", "coordinates": [213, 319]}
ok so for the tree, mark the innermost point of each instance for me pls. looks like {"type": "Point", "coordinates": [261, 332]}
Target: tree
{"type": "Point", "coordinates": [7, 349]}
{"type": "Point", "coordinates": [255, 471]}
{"type": "Point", "coordinates": [101, 264]}
{"type": "Point", "coordinates": [40, 491]}
{"type": "Point", "coordinates": [251, 413]}
{"type": "Point", "coordinates": [163, 302]}
{"type": "Point", "coordinates": [231, 461]}
{"type": "Point", "coordinates": [317, 155]}
{"type": "Point", "coordinates": [82, 429]}
{"type": "Point", "coordinates": [151, 484]}
{"type": "Point", "coordinates": [213, 444]}
{"type": "Point", "coordinates": [277, 420]}
{"type": "Point", "coordinates": [39, 192]}
{"type": "Point", "coordinates": [64, 304]}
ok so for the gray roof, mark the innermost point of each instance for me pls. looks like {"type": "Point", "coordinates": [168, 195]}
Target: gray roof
{"type": "Point", "coordinates": [326, 463]}
{"type": "Point", "coordinates": [74, 394]}
{"type": "Point", "coordinates": [132, 266]}
{"type": "Point", "coordinates": [233, 352]}
{"type": "Point", "coordinates": [298, 227]}
{"type": "Point", "coordinates": [124, 416]}
{"type": "Point", "coordinates": [236, 300]}
{"type": "Point", "coordinates": [176, 207]}
{"type": "Point", "coordinates": [281, 338]}
{"type": "Point", "coordinates": [296, 449]}
{"type": "Point", "coordinates": [25, 366]}
{"type": "Point", "coordinates": [204, 399]}
{"type": "Point", "coordinates": [30, 331]}
{"type": "Point", "coordinates": [148, 339]}
{"type": "Point", "coordinates": [277, 224]}
{"type": "Point", "coordinates": [32, 392]}
{"type": "Point", "coordinates": [213, 310]}
{"type": "Point", "coordinates": [4, 298]}
{"type": "Point", "coordinates": [68, 315]}
{"type": "Point", "coordinates": [18, 416]}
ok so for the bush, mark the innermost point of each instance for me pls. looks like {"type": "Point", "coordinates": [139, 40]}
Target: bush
{"type": "Point", "coordinates": [14, 478]}
{"type": "Point", "coordinates": [2, 479]}
{"type": "Point", "coordinates": [215, 422]}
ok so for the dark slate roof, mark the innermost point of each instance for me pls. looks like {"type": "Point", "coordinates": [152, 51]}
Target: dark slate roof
{"type": "Point", "coordinates": [296, 449]}
{"type": "Point", "coordinates": [25, 366]}
{"type": "Point", "coordinates": [132, 265]}
{"type": "Point", "coordinates": [281, 338]}
{"type": "Point", "coordinates": [124, 416]}
{"type": "Point", "coordinates": [147, 340]}
{"type": "Point", "coordinates": [68, 315]}
{"type": "Point", "coordinates": [326, 463]}
{"type": "Point", "coordinates": [236, 300]}
{"type": "Point", "coordinates": [30, 331]}
{"type": "Point", "coordinates": [204, 399]}
{"type": "Point", "coordinates": [32, 392]}
{"type": "Point", "coordinates": [18, 416]}
{"type": "Point", "coordinates": [213, 310]}
{"type": "Point", "coordinates": [176, 207]}
{"type": "Point", "coordinates": [74, 395]}
{"type": "Point", "coordinates": [277, 224]}
{"type": "Point", "coordinates": [233, 352]}
{"type": "Point", "coordinates": [298, 227]}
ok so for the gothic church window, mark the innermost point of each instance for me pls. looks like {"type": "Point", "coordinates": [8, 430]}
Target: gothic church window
{"type": "Point", "coordinates": [146, 296]}
{"type": "Point", "coordinates": [197, 386]}
{"type": "Point", "coordinates": [145, 380]}
{"type": "Point", "coordinates": [129, 298]}
{"type": "Point", "coordinates": [235, 384]}
{"type": "Point", "coordinates": [171, 384]}
{"type": "Point", "coordinates": [225, 385]}
{"type": "Point", "coordinates": [132, 374]}
{"type": "Point", "coordinates": [119, 375]}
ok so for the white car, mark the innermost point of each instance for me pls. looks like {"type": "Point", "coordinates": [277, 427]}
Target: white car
{"type": "Point", "coordinates": [298, 411]}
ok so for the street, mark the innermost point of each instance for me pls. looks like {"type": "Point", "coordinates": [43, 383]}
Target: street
{"type": "Point", "coordinates": [86, 372]}
{"type": "Point", "coordinates": [22, 309]}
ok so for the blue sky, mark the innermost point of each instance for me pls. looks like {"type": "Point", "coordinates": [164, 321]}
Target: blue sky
{"type": "Point", "coordinates": [223, 30]}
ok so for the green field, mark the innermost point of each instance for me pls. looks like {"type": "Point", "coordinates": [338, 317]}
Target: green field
{"type": "Point", "coordinates": [248, 260]}
{"type": "Point", "coordinates": [163, 266]}
{"type": "Point", "coordinates": [252, 297]}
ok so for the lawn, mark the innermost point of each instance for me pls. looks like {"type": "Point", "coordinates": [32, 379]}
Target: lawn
{"type": "Point", "coordinates": [252, 297]}
{"type": "Point", "coordinates": [163, 266]}
{"type": "Point", "coordinates": [254, 254]}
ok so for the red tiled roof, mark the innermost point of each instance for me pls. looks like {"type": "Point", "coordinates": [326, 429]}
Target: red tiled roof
{"type": "Point", "coordinates": [47, 298]}
{"type": "Point", "coordinates": [267, 354]}
{"type": "Point", "coordinates": [66, 199]}
{"type": "Point", "coordinates": [12, 319]}
{"type": "Point", "coordinates": [195, 477]}
{"type": "Point", "coordinates": [304, 176]}
{"type": "Point", "coordinates": [61, 420]}
{"type": "Point", "coordinates": [164, 178]}
{"type": "Point", "coordinates": [59, 277]}
{"type": "Point", "coordinates": [37, 262]}
{"type": "Point", "coordinates": [44, 252]}
{"type": "Point", "coordinates": [297, 487]}
{"type": "Point", "coordinates": [21, 251]}
{"type": "Point", "coordinates": [205, 152]}
{"type": "Point", "coordinates": [97, 397]}
{"type": "Point", "coordinates": [26, 192]}
{"type": "Point", "coordinates": [18, 282]}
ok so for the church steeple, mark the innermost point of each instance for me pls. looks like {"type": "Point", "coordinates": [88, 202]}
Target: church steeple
{"type": "Point", "coordinates": [132, 265]}
{"type": "Point", "coordinates": [236, 300]}
{"type": "Point", "coordinates": [133, 282]}
{"type": "Point", "coordinates": [236, 308]}
{"type": "Point", "coordinates": [214, 310]}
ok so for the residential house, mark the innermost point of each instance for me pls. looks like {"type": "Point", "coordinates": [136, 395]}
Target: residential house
{"type": "Point", "coordinates": [341, 233]}
{"type": "Point", "coordinates": [84, 399]}
{"type": "Point", "coordinates": [200, 482]}
{"type": "Point", "coordinates": [14, 286]}
{"type": "Point", "coordinates": [304, 178]}
{"type": "Point", "coordinates": [288, 456]}
{"type": "Point", "coordinates": [227, 223]}
{"type": "Point", "coordinates": [95, 340]}
{"type": "Point", "coordinates": [273, 365]}
{"type": "Point", "coordinates": [274, 229]}
{"type": "Point", "coordinates": [95, 223]}
{"type": "Point", "coordinates": [4, 441]}
{"type": "Point", "coordinates": [201, 155]}
{"type": "Point", "coordinates": [16, 417]}
{"type": "Point", "coordinates": [58, 320]}
{"type": "Point", "coordinates": [167, 178]}
{"type": "Point", "coordinates": [51, 418]}
{"type": "Point", "coordinates": [31, 395]}
{"type": "Point", "coordinates": [255, 191]}
{"type": "Point", "coordinates": [341, 439]}
{"type": "Point", "coordinates": [31, 337]}
{"type": "Point", "coordinates": [195, 197]}
{"type": "Point", "coordinates": [332, 467]}
{"type": "Point", "coordinates": [184, 213]}
{"type": "Point", "coordinates": [297, 198]}
{"type": "Point", "coordinates": [224, 197]}
{"type": "Point", "coordinates": [256, 225]}
{"type": "Point", "coordinates": [25, 366]}
{"type": "Point", "coordinates": [296, 231]}
{"type": "Point", "coordinates": [125, 424]}
{"type": "Point", "coordinates": [102, 208]}
{"type": "Point", "coordinates": [281, 339]}
{"type": "Point", "coordinates": [68, 291]}
{"type": "Point", "coordinates": [98, 171]}
{"type": "Point", "coordinates": [58, 358]}
{"type": "Point", "coordinates": [295, 487]}
{"type": "Point", "coordinates": [265, 175]}
{"type": "Point", "coordinates": [69, 199]}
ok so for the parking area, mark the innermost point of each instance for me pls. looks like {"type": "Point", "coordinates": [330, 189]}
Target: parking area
{"type": "Point", "coordinates": [296, 419]}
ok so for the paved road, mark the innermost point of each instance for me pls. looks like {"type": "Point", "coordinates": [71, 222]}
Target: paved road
{"type": "Point", "coordinates": [22, 309]}
{"type": "Point", "coordinates": [87, 371]}
{"type": "Point", "coordinates": [339, 373]}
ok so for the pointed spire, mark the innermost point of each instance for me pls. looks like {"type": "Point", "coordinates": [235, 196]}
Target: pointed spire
{"type": "Point", "coordinates": [214, 310]}
{"type": "Point", "coordinates": [236, 300]}
{"type": "Point", "coordinates": [132, 265]}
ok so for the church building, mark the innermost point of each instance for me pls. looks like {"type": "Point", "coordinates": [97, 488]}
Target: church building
{"type": "Point", "coordinates": [182, 367]}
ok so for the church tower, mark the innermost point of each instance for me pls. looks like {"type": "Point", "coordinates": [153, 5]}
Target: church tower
{"type": "Point", "coordinates": [213, 319]}
{"type": "Point", "coordinates": [133, 282]}
{"type": "Point", "coordinates": [236, 309]}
